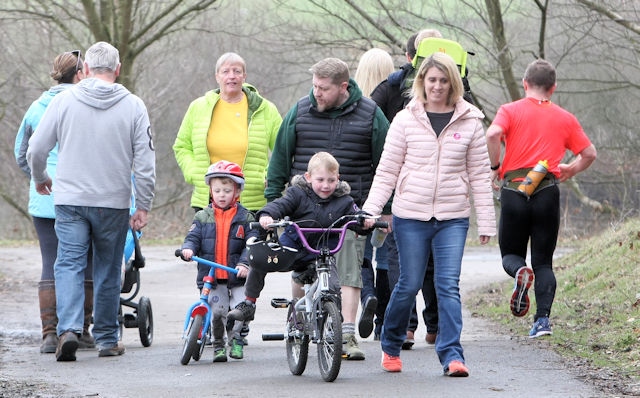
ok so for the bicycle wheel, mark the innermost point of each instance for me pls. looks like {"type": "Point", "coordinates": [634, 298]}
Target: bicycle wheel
{"type": "Point", "coordinates": [330, 341]}
{"type": "Point", "coordinates": [194, 331]}
{"type": "Point", "coordinates": [197, 353]}
{"type": "Point", "coordinates": [297, 342]}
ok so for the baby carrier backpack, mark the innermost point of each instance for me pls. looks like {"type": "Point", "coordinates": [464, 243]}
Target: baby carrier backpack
{"type": "Point", "coordinates": [452, 48]}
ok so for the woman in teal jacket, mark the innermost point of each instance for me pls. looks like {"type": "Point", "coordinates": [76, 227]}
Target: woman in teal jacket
{"type": "Point", "coordinates": [67, 70]}
{"type": "Point", "coordinates": [233, 123]}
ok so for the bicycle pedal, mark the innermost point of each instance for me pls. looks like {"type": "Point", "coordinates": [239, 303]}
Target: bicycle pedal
{"type": "Point", "coordinates": [272, 336]}
{"type": "Point", "coordinates": [279, 303]}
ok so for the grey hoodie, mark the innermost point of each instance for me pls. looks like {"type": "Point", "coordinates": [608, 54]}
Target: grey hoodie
{"type": "Point", "coordinates": [103, 134]}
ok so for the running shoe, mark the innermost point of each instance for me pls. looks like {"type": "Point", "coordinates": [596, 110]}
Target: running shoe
{"type": "Point", "coordinates": [456, 369]}
{"type": "Point", "coordinates": [520, 297]}
{"type": "Point", "coordinates": [236, 349]}
{"type": "Point", "coordinates": [220, 355]}
{"type": "Point", "coordinates": [391, 363]}
{"type": "Point", "coordinates": [541, 327]}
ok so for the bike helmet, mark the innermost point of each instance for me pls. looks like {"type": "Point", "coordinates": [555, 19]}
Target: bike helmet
{"type": "Point", "coordinates": [269, 255]}
{"type": "Point", "coordinates": [227, 169]}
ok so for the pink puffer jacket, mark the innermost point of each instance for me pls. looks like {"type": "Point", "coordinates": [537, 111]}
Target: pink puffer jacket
{"type": "Point", "coordinates": [435, 176]}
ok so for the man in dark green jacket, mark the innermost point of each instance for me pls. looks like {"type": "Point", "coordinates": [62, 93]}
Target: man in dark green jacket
{"type": "Point", "coordinates": [334, 117]}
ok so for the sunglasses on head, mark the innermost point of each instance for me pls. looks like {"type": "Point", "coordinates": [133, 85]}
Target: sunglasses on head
{"type": "Point", "coordinates": [78, 55]}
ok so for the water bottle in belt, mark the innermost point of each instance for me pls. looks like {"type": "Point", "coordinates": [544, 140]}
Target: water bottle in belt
{"type": "Point", "coordinates": [533, 178]}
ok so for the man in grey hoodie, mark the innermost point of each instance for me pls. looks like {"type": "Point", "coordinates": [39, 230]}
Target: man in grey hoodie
{"type": "Point", "coordinates": [103, 135]}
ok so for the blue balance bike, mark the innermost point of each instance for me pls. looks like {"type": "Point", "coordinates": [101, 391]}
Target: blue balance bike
{"type": "Point", "coordinates": [198, 320]}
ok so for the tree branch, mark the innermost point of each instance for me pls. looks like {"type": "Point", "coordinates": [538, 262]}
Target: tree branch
{"type": "Point", "coordinates": [615, 17]}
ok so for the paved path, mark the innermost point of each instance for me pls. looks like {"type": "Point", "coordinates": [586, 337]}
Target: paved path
{"type": "Point", "coordinates": [500, 366]}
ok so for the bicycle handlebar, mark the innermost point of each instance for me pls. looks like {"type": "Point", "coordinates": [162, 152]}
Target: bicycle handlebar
{"type": "Point", "coordinates": [355, 219]}
{"type": "Point", "coordinates": [178, 253]}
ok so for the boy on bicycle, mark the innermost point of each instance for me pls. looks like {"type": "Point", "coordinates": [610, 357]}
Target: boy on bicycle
{"type": "Point", "coordinates": [315, 199]}
{"type": "Point", "coordinates": [217, 234]}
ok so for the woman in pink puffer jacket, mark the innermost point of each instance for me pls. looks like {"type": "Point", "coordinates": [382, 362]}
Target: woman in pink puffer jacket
{"type": "Point", "coordinates": [435, 158]}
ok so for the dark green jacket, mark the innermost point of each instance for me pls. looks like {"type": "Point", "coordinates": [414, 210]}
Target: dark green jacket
{"type": "Point", "coordinates": [354, 133]}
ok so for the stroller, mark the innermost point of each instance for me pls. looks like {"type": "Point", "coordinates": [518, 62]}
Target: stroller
{"type": "Point", "coordinates": [142, 316]}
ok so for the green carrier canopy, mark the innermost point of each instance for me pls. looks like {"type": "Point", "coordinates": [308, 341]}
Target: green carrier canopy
{"type": "Point", "coordinates": [431, 45]}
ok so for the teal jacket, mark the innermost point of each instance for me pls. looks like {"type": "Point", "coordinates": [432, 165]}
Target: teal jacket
{"type": "Point", "coordinates": [191, 152]}
{"type": "Point", "coordinates": [39, 205]}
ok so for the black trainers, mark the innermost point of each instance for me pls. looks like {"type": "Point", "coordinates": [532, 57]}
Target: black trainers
{"type": "Point", "coordinates": [244, 311]}
{"type": "Point", "coordinates": [365, 324]}
{"type": "Point", "coordinates": [67, 347]}
{"type": "Point", "coordinates": [520, 298]}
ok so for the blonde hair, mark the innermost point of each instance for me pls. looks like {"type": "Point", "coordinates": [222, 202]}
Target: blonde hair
{"type": "Point", "coordinates": [323, 160]}
{"type": "Point", "coordinates": [424, 34]}
{"type": "Point", "coordinates": [374, 66]}
{"type": "Point", "coordinates": [448, 66]}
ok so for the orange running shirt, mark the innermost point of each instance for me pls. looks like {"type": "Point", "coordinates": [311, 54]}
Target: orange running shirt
{"type": "Point", "coordinates": [537, 130]}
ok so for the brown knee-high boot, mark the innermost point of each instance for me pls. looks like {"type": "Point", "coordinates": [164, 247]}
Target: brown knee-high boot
{"type": "Point", "coordinates": [47, 298]}
{"type": "Point", "coordinates": [87, 340]}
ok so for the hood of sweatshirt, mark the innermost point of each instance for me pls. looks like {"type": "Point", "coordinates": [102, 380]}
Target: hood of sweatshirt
{"type": "Point", "coordinates": [48, 95]}
{"type": "Point", "coordinates": [98, 93]}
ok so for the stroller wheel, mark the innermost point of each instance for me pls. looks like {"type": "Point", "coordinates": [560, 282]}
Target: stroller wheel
{"type": "Point", "coordinates": [145, 321]}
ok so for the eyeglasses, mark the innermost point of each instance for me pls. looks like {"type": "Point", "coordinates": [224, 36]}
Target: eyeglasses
{"type": "Point", "coordinates": [78, 55]}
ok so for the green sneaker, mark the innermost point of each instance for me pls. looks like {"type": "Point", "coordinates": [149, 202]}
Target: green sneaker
{"type": "Point", "coordinates": [220, 355]}
{"type": "Point", "coordinates": [236, 349]}
{"type": "Point", "coordinates": [350, 347]}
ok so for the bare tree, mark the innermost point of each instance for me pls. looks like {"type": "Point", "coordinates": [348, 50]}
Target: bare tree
{"type": "Point", "coordinates": [131, 26]}
{"type": "Point", "coordinates": [609, 11]}
{"type": "Point", "coordinates": [169, 47]}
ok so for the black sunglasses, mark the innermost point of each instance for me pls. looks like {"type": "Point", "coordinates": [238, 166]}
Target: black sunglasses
{"type": "Point", "coordinates": [78, 55]}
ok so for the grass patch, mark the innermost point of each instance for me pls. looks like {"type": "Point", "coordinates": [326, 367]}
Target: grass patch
{"type": "Point", "coordinates": [596, 312]}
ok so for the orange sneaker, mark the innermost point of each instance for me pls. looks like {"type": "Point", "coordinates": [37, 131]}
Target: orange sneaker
{"type": "Point", "coordinates": [456, 369]}
{"type": "Point", "coordinates": [391, 363]}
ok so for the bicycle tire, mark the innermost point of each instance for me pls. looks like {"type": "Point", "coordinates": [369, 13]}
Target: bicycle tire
{"type": "Point", "coordinates": [330, 341]}
{"type": "Point", "coordinates": [297, 343]}
{"type": "Point", "coordinates": [194, 331]}
{"type": "Point", "coordinates": [197, 353]}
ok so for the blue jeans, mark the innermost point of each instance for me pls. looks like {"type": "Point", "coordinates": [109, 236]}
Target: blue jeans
{"type": "Point", "coordinates": [415, 239]}
{"type": "Point", "coordinates": [77, 228]}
